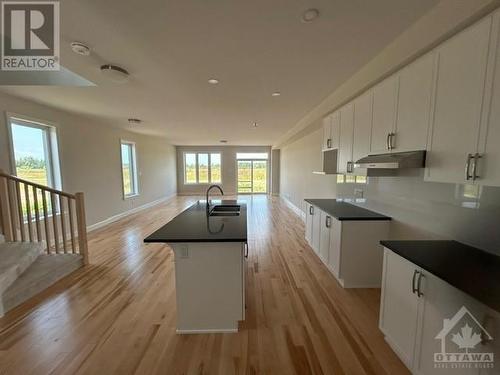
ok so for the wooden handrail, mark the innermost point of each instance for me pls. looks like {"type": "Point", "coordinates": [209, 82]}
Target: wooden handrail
{"type": "Point", "coordinates": [38, 186]}
{"type": "Point", "coordinates": [16, 216]}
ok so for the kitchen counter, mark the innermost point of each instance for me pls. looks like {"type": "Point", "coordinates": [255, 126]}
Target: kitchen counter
{"type": "Point", "coordinates": [193, 225]}
{"type": "Point", "coordinates": [471, 270]}
{"type": "Point", "coordinates": [345, 211]}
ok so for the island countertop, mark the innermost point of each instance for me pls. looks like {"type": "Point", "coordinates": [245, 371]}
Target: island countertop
{"type": "Point", "coordinates": [193, 225]}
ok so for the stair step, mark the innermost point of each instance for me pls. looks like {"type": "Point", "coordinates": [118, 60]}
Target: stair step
{"type": "Point", "coordinates": [15, 258]}
{"type": "Point", "coordinates": [45, 271]}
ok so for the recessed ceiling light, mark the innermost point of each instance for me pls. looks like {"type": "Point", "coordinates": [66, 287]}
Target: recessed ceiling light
{"type": "Point", "coordinates": [115, 73]}
{"type": "Point", "coordinates": [276, 93]}
{"type": "Point", "coordinates": [255, 125]}
{"type": "Point", "coordinates": [213, 81]}
{"type": "Point", "coordinates": [134, 121]}
{"type": "Point", "coordinates": [223, 141]}
{"type": "Point", "coordinates": [310, 15]}
{"type": "Point", "coordinates": [80, 48]}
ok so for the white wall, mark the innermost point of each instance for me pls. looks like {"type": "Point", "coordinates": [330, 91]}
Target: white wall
{"type": "Point", "coordinates": [229, 170]}
{"type": "Point", "coordinates": [90, 159]}
{"type": "Point", "coordinates": [298, 161]}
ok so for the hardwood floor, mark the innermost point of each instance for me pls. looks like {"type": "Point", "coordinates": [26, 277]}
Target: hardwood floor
{"type": "Point", "coordinates": [117, 315]}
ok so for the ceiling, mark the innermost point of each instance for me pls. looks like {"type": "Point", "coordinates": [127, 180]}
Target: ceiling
{"type": "Point", "coordinates": [171, 48]}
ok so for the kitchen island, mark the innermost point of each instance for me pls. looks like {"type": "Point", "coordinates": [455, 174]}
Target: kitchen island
{"type": "Point", "coordinates": [210, 246]}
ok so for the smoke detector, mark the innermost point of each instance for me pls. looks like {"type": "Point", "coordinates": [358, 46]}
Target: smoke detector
{"type": "Point", "coordinates": [80, 48]}
{"type": "Point", "coordinates": [115, 73]}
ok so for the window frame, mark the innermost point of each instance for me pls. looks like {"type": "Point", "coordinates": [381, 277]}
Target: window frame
{"type": "Point", "coordinates": [134, 169]}
{"type": "Point", "coordinates": [51, 146]}
{"type": "Point", "coordinates": [196, 153]}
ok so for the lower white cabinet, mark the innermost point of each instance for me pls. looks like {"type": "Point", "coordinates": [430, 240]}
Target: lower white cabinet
{"type": "Point", "coordinates": [399, 306]}
{"type": "Point", "coordinates": [350, 249]}
{"type": "Point", "coordinates": [422, 318]}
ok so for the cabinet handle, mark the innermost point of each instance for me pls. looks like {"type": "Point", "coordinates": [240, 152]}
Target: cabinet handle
{"type": "Point", "coordinates": [387, 141]}
{"type": "Point", "coordinates": [328, 143]}
{"type": "Point", "coordinates": [476, 158]}
{"type": "Point", "coordinates": [246, 249]}
{"type": "Point", "coordinates": [419, 284]}
{"type": "Point", "coordinates": [311, 210]}
{"type": "Point", "coordinates": [328, 221]}
{"type": "Point", "coordinates": [413, 287]}
{"type": "Point", "coordinates": [467, 167]}
{"type": "Point", "coordinates": [391, 141]}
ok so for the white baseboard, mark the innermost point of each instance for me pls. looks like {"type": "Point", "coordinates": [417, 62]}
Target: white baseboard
{"type": "Point", "coordinates": [197, 331]}
{"type": "Point", "coordinates": [121, 215]}
{"type": "Point", "coordinates": [295, 209]}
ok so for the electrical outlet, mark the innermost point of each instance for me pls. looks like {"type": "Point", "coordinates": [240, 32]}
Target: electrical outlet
{"type": "Point", "coordinates": [184, 251]}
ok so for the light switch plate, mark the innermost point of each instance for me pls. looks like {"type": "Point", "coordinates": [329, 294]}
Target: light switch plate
{"type": "Point", "coordinates": [183, 251]}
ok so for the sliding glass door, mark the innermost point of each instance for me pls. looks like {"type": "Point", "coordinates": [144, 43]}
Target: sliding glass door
{"type": "Point", "coordinates": [252, 176]}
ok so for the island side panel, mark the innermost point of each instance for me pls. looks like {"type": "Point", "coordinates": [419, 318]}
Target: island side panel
{"type": "Point", "coordinates": [209, 286]}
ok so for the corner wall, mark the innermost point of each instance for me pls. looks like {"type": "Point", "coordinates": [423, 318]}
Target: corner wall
{"type": "Point", "coordinates": [89, 152]}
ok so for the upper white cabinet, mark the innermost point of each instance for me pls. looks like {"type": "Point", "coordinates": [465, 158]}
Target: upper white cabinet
{"type": "Point", "coordinates": [488, 168]}
{"type": "Point", "coordinates": [362, 125]}
{"type": "Point", "coordinates": [331, 131]}
{"type": "Point", "coordinates": [414, 105]}
{"type": "Point", "coordinates": [345, 164]}
{"type": "Point", "coordinates": [461, 75]}
{"type": "Point", "coordinates": [384, 114]}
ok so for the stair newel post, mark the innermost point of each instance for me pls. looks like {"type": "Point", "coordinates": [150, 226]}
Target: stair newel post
{"type": "Point", "coordinates": [4, 205]}
{"type": "Point", "coordinates": [82, 227]}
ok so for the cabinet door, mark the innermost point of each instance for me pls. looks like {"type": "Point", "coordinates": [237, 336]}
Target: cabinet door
{"type": "Point", "coordinates": [316, 228]}
{"type": "Point", "coordinates": [491, 323]}
{"type": "Point", "coordinates": [334, 248]}
{"type": "Point", "coordinates": [362, 125]}
{"type": "Point", "coordinates": [345, 142]}
{"type": "Point", "coordinates": [461, 70]}
{"type": "Point", "coordinates": [488, 165]}
{"type": "Point", "coordinates": [327, 131]}
{"type": "Point", "coordinates": [399, 305]}
{"type": "Point", "coordinates": [324, 241]}
{"type": "Point", "coordinates": [335, 130]}
{"type": "Point", "coordinates": [442, 301]}
{"type": "Point", "coordinates": [414, 104]}
{"type": "Point", "coordinates": [384, 114]}
{"type": "Point", "coordinates": [309, 223]}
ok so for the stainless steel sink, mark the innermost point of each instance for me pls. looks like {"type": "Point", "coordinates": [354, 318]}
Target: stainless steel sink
{"type": "Point", "coordinates": [225, 210]}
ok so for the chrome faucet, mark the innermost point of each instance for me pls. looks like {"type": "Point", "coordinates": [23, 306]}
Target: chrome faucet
{"type": "Point", "coordinates": [208, 191]}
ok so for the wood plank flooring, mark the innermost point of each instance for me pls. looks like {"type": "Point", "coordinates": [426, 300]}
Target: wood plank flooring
{"type": "Point", "coordinates": [117, 315]}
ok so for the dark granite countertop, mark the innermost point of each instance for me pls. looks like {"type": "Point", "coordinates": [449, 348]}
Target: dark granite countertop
{"type": "Point", "coordinates": [473, 271]}
{"type": "Point", "coordinates": [193, 225]}
{"type": "Point", "coordinates": [345, 211]}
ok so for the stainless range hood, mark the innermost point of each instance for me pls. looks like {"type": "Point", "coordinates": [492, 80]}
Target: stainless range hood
{"type": "Point", "coordinates": [395, 160]}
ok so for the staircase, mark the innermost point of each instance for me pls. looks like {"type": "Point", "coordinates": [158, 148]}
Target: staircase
{"type": "Point", "coordinates": [43, 238]}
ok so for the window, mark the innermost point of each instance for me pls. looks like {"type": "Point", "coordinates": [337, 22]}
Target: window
{"type": "Point", "coordinates": [202, 168]}
{"type": "Point", "coordinates": [35, 155]}
{"type": "Point", "coordinates": [129, 169]}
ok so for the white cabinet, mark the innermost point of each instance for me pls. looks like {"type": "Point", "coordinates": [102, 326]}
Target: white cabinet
{"type": "Point", "coordinates": [420, 314]}
{"type": "Point", "coordinates": [331, 131]}
{"type": "Point", "coordinates": [399, 305]}
{"type": "Point", "coordinates": [349, 248]}
{"type": "Point", "coordinates": [362, 125]}
{"type": "Point", "coordinates": [414, 105]}
{"type": "Point", "coordinates": [309, 222]}
{"type": "Point", "coordinates": [461, 74]}
{"type": "Point", "coordinates": [489, 164]}
{"type": "Point", "coordinates": [441, 301]}
{"type": "Point", "coordinates": [384, 114]}
{"type": "Point", "coordinates": [324, 242]}
{"type": "Point", "coordinates": [345, 164]}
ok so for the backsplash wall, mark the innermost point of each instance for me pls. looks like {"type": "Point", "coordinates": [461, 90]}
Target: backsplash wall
{"type": "Point", "coordinates": [429, 210]}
